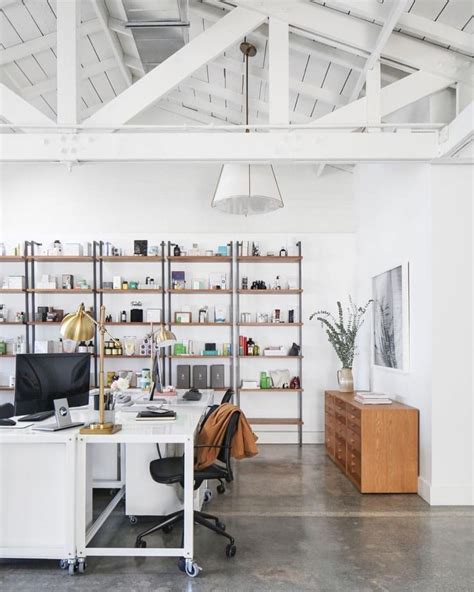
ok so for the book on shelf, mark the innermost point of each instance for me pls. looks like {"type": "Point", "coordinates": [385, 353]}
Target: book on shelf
{"type": "Point", "coordinates": [371, 398]}
{"type": "Point", "coordinates": [274, 351]}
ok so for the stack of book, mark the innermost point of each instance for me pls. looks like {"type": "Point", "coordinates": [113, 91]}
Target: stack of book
{"type": "Point", "coordinates": [370, 398]}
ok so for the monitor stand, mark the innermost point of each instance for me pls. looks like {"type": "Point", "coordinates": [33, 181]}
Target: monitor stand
{"type": "Point", "coordinates": [63, 418]}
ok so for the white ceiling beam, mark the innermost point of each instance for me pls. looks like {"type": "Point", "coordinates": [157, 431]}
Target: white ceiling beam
{"type": "Point", "coordinates": [5, 3]}
{"type": "Point", "coordinates": [373, 102]}
{"type": "Point", "coordinates": [278, 71]}
{"type": "Point", "coordinates": [458, 134]}
{"type": "Point", "coordinates": [393, 97]}
{"type": "Point", "coordinates": [360, 37]}
{"type": "Point", "coordinates": [408, 21]}
{"type": "Point", "coordinates": [188, 99]}
{"type": "Point", "coordinates": [301, 146]}
{"type": "Point", "coordinates": [119, 27]}
{"type": "Point", "coordinates": [68, 61]}
{"type": "Point", "coordinates": [26, 49]}
{"type": "Point", "coordinates": [397, 7]}
{"type": "Point", "coordinates": [134, 64]}
{"type": "Point", "coordinates": [14, 108]}
{"type": "Point", "coordinates": [103, 17]}
{"type": "Point", "coordinates": [201, 50]}
{"type": "Point", "coordinates": [191, 114]}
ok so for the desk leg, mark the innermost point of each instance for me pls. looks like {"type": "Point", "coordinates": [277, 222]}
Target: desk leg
{"type": "Point", "coordinates": [188, 498]}
{"type": "Point", "coordinates": [70, 501]}
{"type": "Point", "coordinates": [81, 498]}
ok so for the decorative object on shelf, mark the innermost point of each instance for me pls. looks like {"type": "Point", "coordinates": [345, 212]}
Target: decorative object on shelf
{"type": "Point", "coordinates": [255, 250]}
{"type": "Point", "coordinates": [291, 316]}
{"type": "Point", "coordinates": [220, 314]}
{"type": "Point", "coordinates": [117, 282]}
{"type": "Point", "coordinates": [276, 317]}
{"type": "Point", "coordinates": [154, 251]}
{"type": "Point", "coordinates": [136, 312]}
{"type": "Point", "coordinates": [247, 189]}
{"type": "Point", "coordinates": [280, 378]}
{"type": "Point", "coordinates": [132, 285]}
{"type": "Point", "coordinates": [295, 350]}
{"type": "Point", "coordinates": [275, 351]}
{"type": "Point", "coordinates": [283, 252]}
{"type": "Point", "coordinates": [129, 345]}
{"type": "Point", "coordinates": [140, 248]}
{"type": "Point", "coordinates": [67, 282]}
{"type": "Point", "coordinates": [178, 280]}
{"type": "Point", "coordinates": [245, 283]}
{"type": "Point", "coordinates": [217, 376]}
{"type": "Point", "coordinates": [72, 250]}
{"type": "Point", "coordinates": [390, 291]}
{"type": "Point", "coordinates": [124, 285]}
{"type": "Point", "coordinates": [222, 251]}
{"type": "Point", "coordinates": [177, 251]}
{"type": "Point", "coordinates": [3, 347]}
{"type": "Point", "coordinates": [342, 333]}
{"type": "Point", "coordinates": [182, 318]}
{"type": "Point", "coordinates": [183, 376]}
{"type": "Point", "coordinates": [295, 383]}
{"type": "Point", "coordinates": [123, 316]}
{"type": "Point", "coordinates": [81, 326]}
{"type": "Point", "coordinates": [277, 283]}
{"type": "Point", "coordinates": [153, 315]}
{"type": "Point", "coordinates": [258, 285]}
{"type": "Point", "coordinates": [203, 314]}
{"type": "Point", "coordinates": [262, 317]}
{"type": "Point", "coordinates": [57, 249]}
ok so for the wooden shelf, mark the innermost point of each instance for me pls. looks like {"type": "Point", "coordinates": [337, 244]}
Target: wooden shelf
{"type": "Point", "coordinates": [271, 390]}
{"type": "Point", "coordinates": [201, 259]}
{"type": "Point", "coordinates": [11, 259]}
{"type": "Point", "coordinates": [130, 291]}
{"type": "Point", "coordinates": [269, 259]}
{"type": "Point", "coordinates": [7, 388]}
{"type": "Point", "coordinates": [44, 323]}
{"type": "Point", "coordinates": [192, 357]}
{"type": "Point", "coordinates": [274, 421]}
{"type": "Point", "coordinates": [61, 258]}
{"type": "Point", "coordinates": [269, 324]}
{"type": "Point", "coordinates": [270, 357]}
{"type": "Point", "coordinates": [199, 291]}
{"type": "Point", "coordinates": [59, 291]}
{"type": "Point", "coordinates": [200, 324]}
{"type": "Point", "coordinates": [11, 291]}
{"type": "Point", "coordinates": [260, 292]}
{"type": "Point", "coordinates": [8, 356]}
{"type": "Point", "coordinates": [135, 356]}
{"type": "Point", "coordinates": [142, 324]}
{"type": "Point", "coordinates": [11, 323]}
{"type": "Point", "coordinates": [130, 259]}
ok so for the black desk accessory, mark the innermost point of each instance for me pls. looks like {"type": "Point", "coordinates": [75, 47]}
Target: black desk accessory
{"type": "Point", "coordinates": [7, 422]}
{"type": "Point", "coordinates": [37, 416]}
{"type": "Point", "coordinates": [192, 395]}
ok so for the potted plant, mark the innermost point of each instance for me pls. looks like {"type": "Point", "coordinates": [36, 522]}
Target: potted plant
{"type": "Point", "coordinates": [342, 333]}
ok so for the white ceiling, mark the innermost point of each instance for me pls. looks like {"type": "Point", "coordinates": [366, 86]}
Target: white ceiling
{"type": "Point", "coordinates": [322, 78]}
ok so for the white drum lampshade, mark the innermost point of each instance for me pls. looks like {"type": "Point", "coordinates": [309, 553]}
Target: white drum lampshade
{"type": "Point", "coordinates": [247, 190]}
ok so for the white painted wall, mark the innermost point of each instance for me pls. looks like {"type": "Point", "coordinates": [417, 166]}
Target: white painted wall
{"type": "Point", "coordinates": [119, 203]}
{"type": "Point", "coordinates": [421, 214]}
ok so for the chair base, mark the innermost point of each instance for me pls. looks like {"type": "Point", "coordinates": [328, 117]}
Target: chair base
{"type": "Point", "coordinates": [209, 521]}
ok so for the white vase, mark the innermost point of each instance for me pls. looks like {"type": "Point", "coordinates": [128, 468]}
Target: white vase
{"type": "Point", "coordinates": [345, 380]}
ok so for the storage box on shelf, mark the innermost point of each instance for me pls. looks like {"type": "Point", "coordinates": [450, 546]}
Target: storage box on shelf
{"type": "Point", "coordinates": [246, 292]}
{"type": "Point", "coordinates": [375, 446]}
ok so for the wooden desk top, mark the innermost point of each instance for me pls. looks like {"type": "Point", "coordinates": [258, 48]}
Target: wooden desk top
{"type": "Point", "coordinates": [349, 398]}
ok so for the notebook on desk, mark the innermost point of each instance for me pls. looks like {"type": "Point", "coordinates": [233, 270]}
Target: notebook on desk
{"type": "Point", "coordinates": [158, 415]}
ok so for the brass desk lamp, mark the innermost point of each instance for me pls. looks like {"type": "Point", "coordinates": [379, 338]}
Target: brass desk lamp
{"type": "Point", "coordinates": [80, 326]}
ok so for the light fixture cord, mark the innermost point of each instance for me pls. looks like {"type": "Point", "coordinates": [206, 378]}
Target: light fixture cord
{"type": "Point", "coordinates": [247, 92]}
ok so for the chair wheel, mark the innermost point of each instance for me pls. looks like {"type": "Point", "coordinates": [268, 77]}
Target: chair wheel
{"type": "Point", "coordinates": [133, 519]}
{"type": "Point", "coordinates": [140, 544]}
{"type": "Point", "coordinates": [168, 528]}
{"type": "Point", "coordinates": [230, 550]}
{"type": "Point", "coordinates": [220, 525]}
{"type": "Point", "coordinates": [220, 489]}
{"type": "Point", "coordinates": [207, 496]}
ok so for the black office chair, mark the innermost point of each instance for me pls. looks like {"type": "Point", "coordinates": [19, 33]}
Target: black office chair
{"type": "Point", "coordinates": [228, 395]}
{"type": "Point", "coordinates": [6, 411]}
{"type": "Point", "coordinates": [171, 470]}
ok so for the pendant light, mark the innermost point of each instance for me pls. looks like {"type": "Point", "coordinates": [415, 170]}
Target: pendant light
{"type": "Point", "coordinates": [247, 189]}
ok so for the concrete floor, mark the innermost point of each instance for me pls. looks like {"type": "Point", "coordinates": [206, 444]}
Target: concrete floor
{"type": "Point", "coordinates": [299, 526]}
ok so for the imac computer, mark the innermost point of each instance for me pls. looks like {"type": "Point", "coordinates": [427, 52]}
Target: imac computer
{"type": "Point", "coordinates": [43, 378]}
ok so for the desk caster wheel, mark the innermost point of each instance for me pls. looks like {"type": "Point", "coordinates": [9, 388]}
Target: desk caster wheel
{"type": "Point", "coordinates": [72, 567]}
{"type": "Point", "coordinates": [63, 563]}
{"type": "Point", "coordinates": [190, 567]}
{"type": "Point", "coordinates": [140, 544]}
{"type": "Point", "coordinates": [168, 528]}
{"type": "Point", "coordinates": [81, 565]}
{"type": "Point", "coordinates": [133, 519]}
{"type": "Point", "coordinates": [230, 550]}
{"type": "Point", "coordinates": [221, 488]}
{"type": "Point", "coordinates": [207, 496]}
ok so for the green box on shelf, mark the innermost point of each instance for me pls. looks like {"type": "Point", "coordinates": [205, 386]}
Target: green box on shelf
{"type": "Point", "coordinates": [179, 349]}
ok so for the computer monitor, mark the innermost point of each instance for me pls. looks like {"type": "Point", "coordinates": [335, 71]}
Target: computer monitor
{"type": "Point", "coordinates": [42, 378]}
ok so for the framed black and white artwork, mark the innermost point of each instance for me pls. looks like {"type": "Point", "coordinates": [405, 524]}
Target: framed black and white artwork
{"type": "Point", "coordinates": [391, 318]}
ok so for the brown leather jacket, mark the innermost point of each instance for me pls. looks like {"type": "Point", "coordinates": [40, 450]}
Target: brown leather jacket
{"type": "Point", "coordinates": [212, 433]}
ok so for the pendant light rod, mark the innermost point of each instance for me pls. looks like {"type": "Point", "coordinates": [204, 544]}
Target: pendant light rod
{"type": "Point", "coordinates": [249, 50]}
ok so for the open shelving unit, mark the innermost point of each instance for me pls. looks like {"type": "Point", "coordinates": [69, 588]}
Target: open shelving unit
{"type": "Point", "coordinates": [194, 260]}
{"type": "Point", "coordinates": [298, 325]}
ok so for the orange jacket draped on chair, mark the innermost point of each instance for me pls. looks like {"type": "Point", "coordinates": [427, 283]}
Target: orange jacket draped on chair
{"type": "Point", "coordinates": [212, 434]}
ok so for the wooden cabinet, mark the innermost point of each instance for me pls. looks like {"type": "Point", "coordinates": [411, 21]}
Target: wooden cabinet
{"type": "Point", "coordinates": [376, 446]}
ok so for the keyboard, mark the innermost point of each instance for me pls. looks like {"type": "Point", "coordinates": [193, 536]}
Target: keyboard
{"type": "Point", "coordinates": [37, 416]}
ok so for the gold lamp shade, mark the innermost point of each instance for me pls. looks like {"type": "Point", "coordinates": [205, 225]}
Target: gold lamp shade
{"type": "Point", "coordinates": [78, 326]}
{"type": "Point", "coordinates": [165, 337]}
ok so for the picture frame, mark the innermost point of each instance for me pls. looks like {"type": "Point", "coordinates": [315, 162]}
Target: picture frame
{"type": "Point", "coordinates": [182, 317]}
{"type": "Point", "coordinates": [391, 319]}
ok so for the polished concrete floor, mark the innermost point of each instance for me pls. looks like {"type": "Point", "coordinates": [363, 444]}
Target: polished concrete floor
{"type": "Point", "coordinates": [300, 526]}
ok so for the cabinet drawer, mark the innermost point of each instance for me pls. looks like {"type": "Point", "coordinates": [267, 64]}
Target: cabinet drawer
{"type": "Point", "coordinates": [340, 429]}
{"type": "Point", "coordinates": [353, 426]}
{"type": "Point", "coordinates": [330, 419]}
{"type": "Point", "coordinates": [353, 414]}
{"type": "Point", "coordinates": [330, 441]}
{"type": "Point", "coordinates": [340, 417]}
{"type": "Point", "coordinates": [329, 401]}
{"type": "Point", "coordinates": [353, 464]}
{"type": "Point", "coordinates": [353, 439]}
{"type": "Point", "coordinates": [340, 405]}
{"type": "Point", "coordinates": [340, 449]}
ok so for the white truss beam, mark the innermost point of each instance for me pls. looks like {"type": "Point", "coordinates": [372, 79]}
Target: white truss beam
{"type": "Point", "coordinates": [408, 21]}
{"type": "Point", "coordinates": [103, 17]}
{"type": "Point", "coordinates": [278, 71]}
{"type": "Point", "coordinates": [191, 114]}
{"type": "Point", "coordinates": [358, 36]}
{"type": "Point", "coordinates": [393, 97]}
{"type": "Point", "coordinates": [398, 6]}
{"type": "Point", "coordinates": [23, 50]}
{"type": "Point", "coordinates": [68, 62]}
{"type": "Point", "coordinates": [201, 50]}
{"type": "Point", "coordinates": [458, 134]}
{"type": "Point", "coordinates": [300, 146]}
{"type": "Point", "coordinates": [14, 109]}
{"type": "Point", "coordinates": [373, 98]}
{"type": "Point", "coordinates": [119, 27]}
